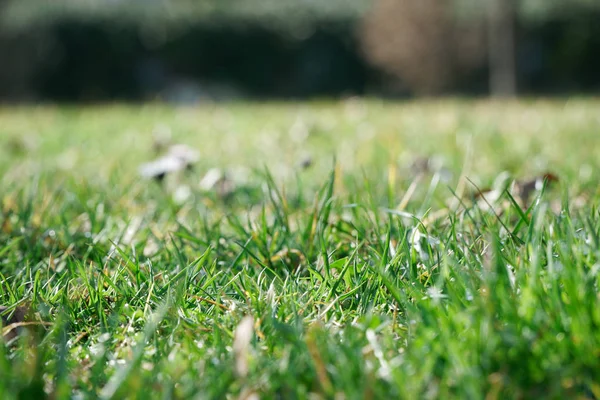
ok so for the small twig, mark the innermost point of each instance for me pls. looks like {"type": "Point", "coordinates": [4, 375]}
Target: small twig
{"type": "Point", "coordinates": [7, 329]}
{"type": "Point", "coordinates": [223, 307]}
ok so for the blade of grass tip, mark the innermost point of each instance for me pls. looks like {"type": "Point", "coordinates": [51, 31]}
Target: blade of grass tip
{"type": "Point", "coordinates": [105, 278]}
{"type": "Point", "coordinates": [36, 288]}
{"type": "Point", "coordinates": [317, 275]}
{"type": "Point", "coordinates": [148, 299]}
{"type": "Point", "coordinates": [187, 235]}
{"type": "Point", "coordinates": [514, 237]}
{"type": "Point", "coordinates": [180, 256]}
{"type": "Point", "coordinates": [537, 212]}
{"type": "Point", "coordinates": [277, 200]}
{"type": "Point", "coordinates": [386, 248]}
{"type": "Point", "coordinates": [62, 386]}
{"type": "Point", "coordinates": [184, 271]}
{"type": "Point", "coordinates": [342, 273]}
{"type": "Point", "coordinates": [466, 209]}
{"type": "Point", "coordinates": [356, 209]}
{"type": "Point", "coordinates": [536, 243]}
{"type": "Point", "coordinates": [325, 256]}
{"type": "Point", "coordinates": [255, 258]}
{"type": "Point", "coordinates": [310, 229]}
{"type": "Point", "coordinates": [413, 217]}
{"type": "Point", "coordinates": [133, 268]}
{"type": "Point", "coordinates": [522, 215]}
{"type": "Point", "coordinates": [387, 282]}
{"type": "Point", "coordinates": [263, 235]}
{"type": "Point", "coordinates": [351, 293]}
{"type": "Point", "coordinates": [372, 205]}
{"type": "Point", "coordinates": [409, 193]}
{"type": "Point", "coordinates": [120, 376]}
{"type": "Point", "coordinates": [26, 211]}
{"type": "Point", "coordinates": [237, 226]}
{"type": "Point", "coordinates": [589, 225]}
{"type": "Point", "coordinates": [398, 212]}
{"type": "Point", "coordinates": [502, 275]}
{"type": "Point", "coordinates": [86, 277]}
{"type": "Point", "coordinates": [435, 180]}
{"type": "Point", "coordinates": [462, 181]}
{"type": "Point", "coordinates": [391, 186]}
{"type": "Point", "coordinates": [326, 202]}
{"type": "Point", "coordinates": [240, 254]}
{"type": "Point", "coordinates": [197, 266]}
{"type": "Point", "coordinates": [565, 201]}
{"type": "Point", "coordinates": [535, 215]}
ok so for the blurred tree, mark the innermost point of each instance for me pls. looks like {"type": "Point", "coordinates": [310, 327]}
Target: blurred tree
{"type": "Point", "coordinates": [424, 43]}
{"type": "Point", "coordinates": [433, 46]}
{"type": "Point", "coordinates": [501, 48]}
{"type": "Point", "coordinates": [130, 49]}
{"type": "Point", "coordinates": [207, 49]}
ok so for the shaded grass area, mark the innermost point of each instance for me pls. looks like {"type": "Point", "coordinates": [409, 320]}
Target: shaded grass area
{"type": "Point", "coordinates": [355, 288]}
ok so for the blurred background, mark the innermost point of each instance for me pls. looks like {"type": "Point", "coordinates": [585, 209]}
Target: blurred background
{"type": "Point", "coordinates": [189, 51]}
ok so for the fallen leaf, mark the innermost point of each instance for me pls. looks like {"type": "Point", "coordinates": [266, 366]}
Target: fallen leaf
{"type": "Point", "coordinates": [211, 178]}
{"type": "Point", "coordinates": [420, 166]}
{"type": "Point", "coordinates": [524, 189]}
{"type": "Point", "coordinates": [160, 167]}
{"type": "Point", "coordinates": [179, 157]}
{"type": "Point", "coordinates": [218, 181]}
{"type": "Point", "coordinates": [428, 165]}
{"type": "Point", "coordinates": [185, 153]}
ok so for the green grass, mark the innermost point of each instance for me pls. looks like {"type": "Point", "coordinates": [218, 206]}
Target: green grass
{"type": "Point", "coordinates": [136, 292]}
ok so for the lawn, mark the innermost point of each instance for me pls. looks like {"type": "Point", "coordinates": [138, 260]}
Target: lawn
{"type": "Point", "coordinates": [343, 250]}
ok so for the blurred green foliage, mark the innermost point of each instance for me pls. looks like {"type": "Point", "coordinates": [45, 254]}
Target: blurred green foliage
{"type": "Point", "coordinates": [281, 15]}
{"type": "Point", "coordinates": [285, 15]}
{"type": "Point", "coordinates": [89, 50]}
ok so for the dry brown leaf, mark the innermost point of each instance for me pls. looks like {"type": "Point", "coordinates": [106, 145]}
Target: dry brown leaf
{"type": "Point", "coordinates": [420, 166]}
{"type": "Point", "coordinates": [521, 190]}
{"type": "Point", "coordinates": [218, 181]}
{"type": "Point", "coordinates": [524, 189]}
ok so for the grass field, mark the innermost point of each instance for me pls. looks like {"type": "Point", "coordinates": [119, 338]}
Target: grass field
{"type": "Point", "coordinates": [379, 271]}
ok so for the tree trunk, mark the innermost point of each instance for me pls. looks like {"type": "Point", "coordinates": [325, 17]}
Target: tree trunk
{"type": "Point", "coordinates": [501, 47]}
